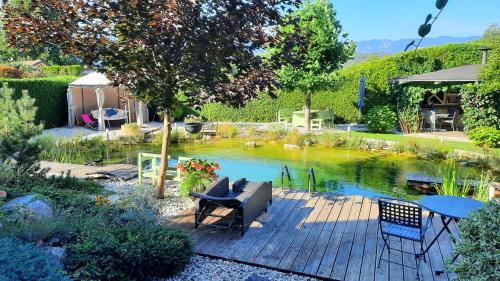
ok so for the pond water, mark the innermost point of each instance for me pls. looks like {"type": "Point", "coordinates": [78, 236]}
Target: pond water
{"type": "Point", "coordinates": [336, 170]}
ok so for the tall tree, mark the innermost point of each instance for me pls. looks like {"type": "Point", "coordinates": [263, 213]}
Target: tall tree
{"type": "Point", "coordinates": [157, 48]}
{"type": "Point", "coordinates": [309, 47]}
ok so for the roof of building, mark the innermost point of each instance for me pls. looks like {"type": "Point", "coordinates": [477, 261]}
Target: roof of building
{"type": "Point", "coordinates": [467, 73]}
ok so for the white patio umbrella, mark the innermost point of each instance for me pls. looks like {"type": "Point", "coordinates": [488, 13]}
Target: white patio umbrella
{"type": "Point", "coordinates": [71, 113]}
{"type": "Point", "coordinates": [100, 103]}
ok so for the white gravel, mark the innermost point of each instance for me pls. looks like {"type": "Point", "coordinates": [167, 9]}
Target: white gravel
{"type": "Point", "coordinates": [171, 205]}
{"type": "Point", "coordinates": [206, 269]}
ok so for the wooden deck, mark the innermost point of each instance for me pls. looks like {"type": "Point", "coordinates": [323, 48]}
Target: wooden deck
{"type": "Point", "coordinates": [323, 235]}
{"type": "Point", "coordinates": [124, 171]}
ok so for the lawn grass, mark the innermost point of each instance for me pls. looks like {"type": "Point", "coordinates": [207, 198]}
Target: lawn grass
{"type": "Point", "coordinates": [430, 142]}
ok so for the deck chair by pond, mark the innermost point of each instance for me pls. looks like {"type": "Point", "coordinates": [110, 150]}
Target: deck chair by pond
{"type": "Point", "coordinates": [88, 122]}
{"type": "Point", "coordinates": [402, 219]}
{"type": "Point", "coordinates": [246, 200]}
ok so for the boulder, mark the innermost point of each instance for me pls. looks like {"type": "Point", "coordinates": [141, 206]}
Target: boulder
{"type": "Point", "coordinates": [58, 252]}
{"type": "Point", "coordinates": [31, 203]}
{"type": "Point", "coordinates": [290, 146]}
{"type": "Point", "coordinates": [250, 144]}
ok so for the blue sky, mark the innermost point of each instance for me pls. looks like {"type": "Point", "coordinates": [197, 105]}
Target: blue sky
{"type": "Point", "coordinates": [391, 19]}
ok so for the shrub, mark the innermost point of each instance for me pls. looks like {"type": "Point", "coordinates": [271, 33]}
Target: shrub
{"type": "Point", "coordinates": [50, 97]}
{"type": "Point", "coordinates": [10, 72]}
{"type": "Point", "coordinates": [227, 130]}
{"type": "Point", "coordinates": [131, 252]}
{"type": "Point", "coordinates": [17, 128]}
{"type": "Point", "coordinates": [479, 244]}
{"type": "Point", "coordinates": [62, 70]}
{"type": "Point", "coordinates": [21, 261]}
{"type": "Point", "coordinates": [485, 136]}
{"type": "Point", "coordinates": [381, 119]}
{"type": "Point", "coordinates": [276, 131]}
{"type": "Point", "coordinates": [481, 105]}
{"type": "Point", "coordinates": [331, 139]}
{"type": "Point", "coordinates": [47, 231]}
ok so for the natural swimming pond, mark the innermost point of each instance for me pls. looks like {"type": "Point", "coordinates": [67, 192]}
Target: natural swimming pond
{"type": "Point", "coordinates": [337, 170]}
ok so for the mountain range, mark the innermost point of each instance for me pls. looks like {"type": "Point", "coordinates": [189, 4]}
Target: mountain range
{"type": "Point", "coordinates": [386, 46]}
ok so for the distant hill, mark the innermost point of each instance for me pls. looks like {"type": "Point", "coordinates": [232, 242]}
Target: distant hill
{"type": "Point", "coordinates": [386, 46]}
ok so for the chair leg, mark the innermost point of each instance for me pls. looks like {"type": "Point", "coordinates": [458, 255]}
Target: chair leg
{"type": "Point", "coordinates": [386, 244]}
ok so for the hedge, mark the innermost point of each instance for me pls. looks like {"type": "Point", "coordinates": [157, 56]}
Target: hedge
{"type": "Point", "coordinates": [50, 96]}
{"type": "Point", "coordinates": [343, 98]}
{"type": "Point", "coordinates": [62, 70]}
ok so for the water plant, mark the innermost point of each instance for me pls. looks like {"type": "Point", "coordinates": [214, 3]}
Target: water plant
{"type": "Point", "coordinates": [482, 189]}
{"type": "Point", "coordinates": [227, 130]}
{"type": "Point", "coordinates": [451, 185]}
{"type": "Point", "coordinates": [77, 149]}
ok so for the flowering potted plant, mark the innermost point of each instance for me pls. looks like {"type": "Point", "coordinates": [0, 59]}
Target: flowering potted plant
{"type": "Point", "coordinates": [196, 174]}
{"type": "Point", "coordinates": [193, 124]}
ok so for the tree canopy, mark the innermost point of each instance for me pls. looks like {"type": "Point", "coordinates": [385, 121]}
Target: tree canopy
{"type": "Point", "coordinates": [310, 47]}
{"type": "Point", "coordinates": [159, 48]}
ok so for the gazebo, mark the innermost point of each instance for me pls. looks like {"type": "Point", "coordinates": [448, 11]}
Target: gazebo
{"type": "Point", "coordinates": [93, 93]}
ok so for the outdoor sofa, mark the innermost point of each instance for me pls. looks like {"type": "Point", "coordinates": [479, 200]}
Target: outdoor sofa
{"type": "Point", "coordinates": [246, 199]}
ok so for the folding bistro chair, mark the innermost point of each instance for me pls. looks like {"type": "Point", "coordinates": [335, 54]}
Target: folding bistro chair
{"type": "Point", "coordinates": [402, 219]}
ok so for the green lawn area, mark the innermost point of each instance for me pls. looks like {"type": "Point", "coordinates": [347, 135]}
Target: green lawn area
{"type": "Point", "coordinates": [451, 144]}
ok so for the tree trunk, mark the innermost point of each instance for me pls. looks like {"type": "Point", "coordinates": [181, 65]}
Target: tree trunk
{"type": "Point", "coordinates": [307, 112]}
{"type": "Point", "coordinates": [160, 185]}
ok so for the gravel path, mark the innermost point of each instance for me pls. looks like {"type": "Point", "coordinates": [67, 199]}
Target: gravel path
{"type": "Point", "coordinates": [206, 269]}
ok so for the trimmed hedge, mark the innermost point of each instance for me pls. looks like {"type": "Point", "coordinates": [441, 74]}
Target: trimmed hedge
{"type": "Point", "coordinates": [343, 98]}
{"type": "Point", "coordinates": [62, 70]}
{"type": "Point", "coordinates": [50, 96]}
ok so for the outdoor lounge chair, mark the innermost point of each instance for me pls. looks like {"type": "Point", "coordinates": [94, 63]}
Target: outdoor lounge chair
{"type": "Point", "coordinates": [248, 200]}
{"type": "Point", "coordinates": [402, 219]}
{"type": "Point", "coordinates": [88, 122]}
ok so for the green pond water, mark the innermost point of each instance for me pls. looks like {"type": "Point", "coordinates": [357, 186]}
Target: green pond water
{"type": "Point", "coordinates": [337, 170]}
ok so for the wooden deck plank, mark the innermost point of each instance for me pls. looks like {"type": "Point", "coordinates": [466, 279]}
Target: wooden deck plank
{"type": "Point", "coordinates": [251, 248]}
{"type": "Point", "coordinates": [322, 241]}
{"type": "Point", "coordinates": [309, 244]}
{"type": "Point", "coordinates": [326, 235]}
{"type": "Point", "coordinates": [344, 252]}
{"type": "Point", "coordinates": [356, 258]}
{"type": "Point", "coordinates": [292, 260]}
{"type": "Point", "coordinates": [232, 243]}
{"type": "Point", "coordinates": [369, 263]}
{"type": "Point", "coordinates": [326, 265]}
{"type": "Point", "coordinates": [287, 233]}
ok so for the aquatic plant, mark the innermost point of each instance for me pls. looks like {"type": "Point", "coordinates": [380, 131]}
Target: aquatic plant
{"type": "Point", "coordinates": [482, 189]}
{"type": "Point", "coordinates": [77, 149]}
{"type": "Point", "coordinates": [227, 131]}
{"type": "Point", "coordinates": [451, 185]}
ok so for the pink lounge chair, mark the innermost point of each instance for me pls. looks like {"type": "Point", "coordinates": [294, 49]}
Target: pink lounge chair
{"type": "Point", "coordinates": [89, 123]}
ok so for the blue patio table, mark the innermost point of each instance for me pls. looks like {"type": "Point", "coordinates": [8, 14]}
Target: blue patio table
{"type": "Point", "coordinates": [451, 208]}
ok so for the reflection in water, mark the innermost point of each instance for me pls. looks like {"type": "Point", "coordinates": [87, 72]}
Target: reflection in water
{"type": "Point", "coordinates": [337, 170]}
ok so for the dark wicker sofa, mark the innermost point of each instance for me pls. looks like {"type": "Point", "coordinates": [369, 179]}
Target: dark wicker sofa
{"type": "Point", "coordinates": [248, 200]}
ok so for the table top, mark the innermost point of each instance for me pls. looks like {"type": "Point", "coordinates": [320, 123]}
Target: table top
{"type": "Point", "coordinates": [450, 206]}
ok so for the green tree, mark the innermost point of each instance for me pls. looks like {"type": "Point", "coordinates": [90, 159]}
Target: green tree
{"type": "Point", "coordinates": [17, 129]}
{"type": "Point", "coordinates": [157, 49]}
{"type": "Point", "coordinates": [309, 48]}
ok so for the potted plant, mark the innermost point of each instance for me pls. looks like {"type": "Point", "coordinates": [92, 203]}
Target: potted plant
{"type": "Point", "coordinates": [196, 174]}
{"type": "Point", "coordinates": [193, 124]}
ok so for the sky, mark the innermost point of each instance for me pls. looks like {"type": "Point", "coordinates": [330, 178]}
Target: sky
{"type": "Point", "coordinates": [400, 19]}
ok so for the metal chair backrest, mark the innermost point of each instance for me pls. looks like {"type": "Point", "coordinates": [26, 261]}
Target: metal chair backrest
{"type": "Point", "coordinates": [400, 212]}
